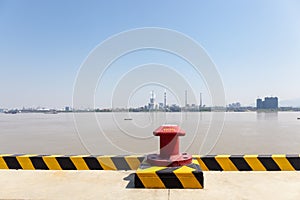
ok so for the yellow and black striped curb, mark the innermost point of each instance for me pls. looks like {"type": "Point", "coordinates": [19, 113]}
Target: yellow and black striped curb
{"type": "Point", "coordinates": [76, 162]}
{"type": "Point", "coordinates": [278, 162]}
{"type": "Point", "coordinates": [189, 176]}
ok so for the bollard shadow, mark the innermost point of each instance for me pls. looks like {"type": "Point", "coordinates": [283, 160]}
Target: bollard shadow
{"type": "Point", "coordinates": [130, 178]}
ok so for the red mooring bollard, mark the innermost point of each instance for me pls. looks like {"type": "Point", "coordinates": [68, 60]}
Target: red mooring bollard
{"type": "Point", "coordinates": [169, 148]}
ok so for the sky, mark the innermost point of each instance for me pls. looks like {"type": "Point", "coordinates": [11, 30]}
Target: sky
{"type": "Point", "coordinates": [254, 44]}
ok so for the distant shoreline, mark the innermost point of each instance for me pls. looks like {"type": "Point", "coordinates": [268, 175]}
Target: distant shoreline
{"type": "Point", "coordinates": [126, 111]}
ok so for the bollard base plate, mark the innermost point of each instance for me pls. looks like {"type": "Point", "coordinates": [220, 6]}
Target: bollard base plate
{"type": "Point", "coordinates": [185, 177]}
{"type": "Point", "coordinates": [172, 161]}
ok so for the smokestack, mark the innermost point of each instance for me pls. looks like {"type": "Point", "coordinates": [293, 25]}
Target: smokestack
{"type": "Point", "coordinates": [165, 99]}
{"type": "Point", "coordinates": [200, 100]}
{"type": "Point", "coordinates": [186, 99]}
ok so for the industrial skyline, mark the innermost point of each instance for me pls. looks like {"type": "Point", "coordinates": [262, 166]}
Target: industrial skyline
{"type": "Point", "coordinates": [269, 103]}
{"type": "Point", "coordinates": [155, 105]}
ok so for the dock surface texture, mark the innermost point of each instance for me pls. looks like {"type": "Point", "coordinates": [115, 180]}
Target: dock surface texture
{"type": "Point", "coordinates": [99, 184]}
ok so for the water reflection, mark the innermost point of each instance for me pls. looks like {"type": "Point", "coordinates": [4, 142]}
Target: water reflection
{"type": "Point", "coordinates": [267, 115]}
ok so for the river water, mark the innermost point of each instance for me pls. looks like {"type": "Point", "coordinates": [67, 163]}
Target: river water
{"type": "Point", "coordinates": [131, 133]}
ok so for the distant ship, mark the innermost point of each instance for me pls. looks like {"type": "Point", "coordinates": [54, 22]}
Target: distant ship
{"type": "Point", "coordinates": [127, 118]}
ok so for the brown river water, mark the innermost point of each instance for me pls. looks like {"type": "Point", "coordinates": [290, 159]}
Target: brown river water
{"type": "Point", "coordinates": [131, 133]}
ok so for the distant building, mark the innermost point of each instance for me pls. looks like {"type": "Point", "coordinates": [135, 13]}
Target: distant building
{"type": "Point", "coordinates": [67, 109]}
{"type": "Point", "coordinates": [268, 103]}
{"type": "Point", "coordinates": [271, 103]}
{"type": "Point", "coordinates": [259, 103]}
{"type": "Point", "coordinates": [235, 105]}
{"type": "Point", "coordinates": [175, 108]}
{"type": "Point", "coordinates": [161, 106]}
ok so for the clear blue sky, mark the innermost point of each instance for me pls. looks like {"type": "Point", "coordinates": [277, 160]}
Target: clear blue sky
{"type": "Point", "coordinates": [255, 44]}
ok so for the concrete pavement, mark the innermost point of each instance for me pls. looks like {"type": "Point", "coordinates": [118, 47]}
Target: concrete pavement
{"type": "Point", "coordinates": [38, 184]}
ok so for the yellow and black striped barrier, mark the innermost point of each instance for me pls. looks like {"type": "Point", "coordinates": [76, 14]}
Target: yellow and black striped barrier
{"type": "Point", "coordinates": [103, 162]}
{"type": "Point", "coordinates": [278, 162]}
{"type": "Point", "coordinates": [63, 162]}
{"type": "Point", "coordinates": [188, 176]}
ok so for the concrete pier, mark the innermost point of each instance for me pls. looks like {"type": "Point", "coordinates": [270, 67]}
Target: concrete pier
{"type": "Point", "coordinates": [39, 184]}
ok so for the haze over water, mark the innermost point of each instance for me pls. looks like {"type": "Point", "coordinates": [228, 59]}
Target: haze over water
{"type": "Point", "coordinates": [242, 133]}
